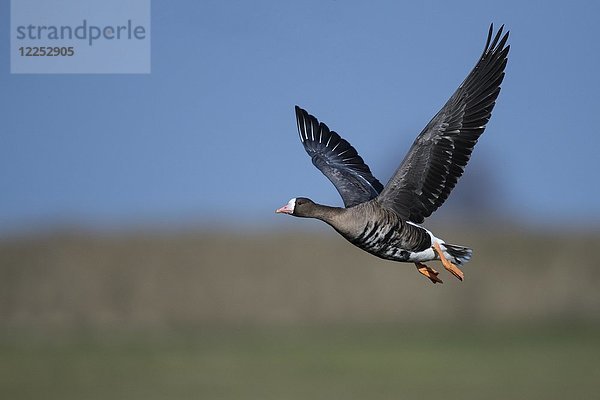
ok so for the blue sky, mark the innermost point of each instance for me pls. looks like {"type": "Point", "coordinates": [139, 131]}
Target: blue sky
{"type": "Point", "coordinates": [210, 133]}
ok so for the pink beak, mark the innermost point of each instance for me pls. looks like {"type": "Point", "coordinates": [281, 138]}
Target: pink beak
{"type": "Point", "coordinates": [284, 210]}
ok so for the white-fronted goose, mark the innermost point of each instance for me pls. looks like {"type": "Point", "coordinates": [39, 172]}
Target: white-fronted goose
{"type": "Point", "coordinates": [383, 220]}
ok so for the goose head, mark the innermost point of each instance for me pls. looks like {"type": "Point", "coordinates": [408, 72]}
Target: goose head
{"type": "Point", "coordinates": [298, 207]}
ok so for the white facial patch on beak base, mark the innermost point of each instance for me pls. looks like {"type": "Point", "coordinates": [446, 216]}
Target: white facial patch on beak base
{"type": "Point", "coordinates": [291, 205]}
{"type": "Point", "coordinates": [288, 208]}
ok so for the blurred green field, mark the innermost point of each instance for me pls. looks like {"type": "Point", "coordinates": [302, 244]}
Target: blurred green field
{"type": "Point", "coordinates": [288, 315]}
{"type": "Point", "coordinates": [356, 361]}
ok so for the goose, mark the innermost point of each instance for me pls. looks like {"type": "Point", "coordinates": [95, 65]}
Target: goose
{"type": "Point", "coordinates": [384, 221]}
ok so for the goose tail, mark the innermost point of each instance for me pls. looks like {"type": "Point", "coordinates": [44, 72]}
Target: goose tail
{"type": "Point", "coordinates": [460, 254]}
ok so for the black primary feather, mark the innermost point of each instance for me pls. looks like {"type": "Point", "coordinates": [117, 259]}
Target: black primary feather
{"type": "Point", "coordinates": [440, 153]}
{"type": "Point", "coordinates": [337, 160]}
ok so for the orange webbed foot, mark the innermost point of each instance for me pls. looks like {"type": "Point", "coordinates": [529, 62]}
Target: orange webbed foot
{"type": "Point", "coordinates": [453, 269]}
{"type": "Point", "coordinates": [430, 273]}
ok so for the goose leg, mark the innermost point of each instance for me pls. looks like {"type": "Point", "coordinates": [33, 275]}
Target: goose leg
{"type": "Point", "coordinates": [453, 269]}
{"type": "Point", "coordinates": [430, 273]}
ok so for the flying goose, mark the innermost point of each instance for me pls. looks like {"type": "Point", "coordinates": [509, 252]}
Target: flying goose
{"type": "Point", "coordinates": [384, 220]}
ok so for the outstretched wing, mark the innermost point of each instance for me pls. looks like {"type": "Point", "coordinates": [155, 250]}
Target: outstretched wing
{"type": "Point", "coordinates": [440, 153]}
{"type": "Point", "coordinates": [337, 160]}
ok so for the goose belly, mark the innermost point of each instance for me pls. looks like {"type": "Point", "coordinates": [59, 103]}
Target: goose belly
{"type": "Point", "coordinates": [398, 242]}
